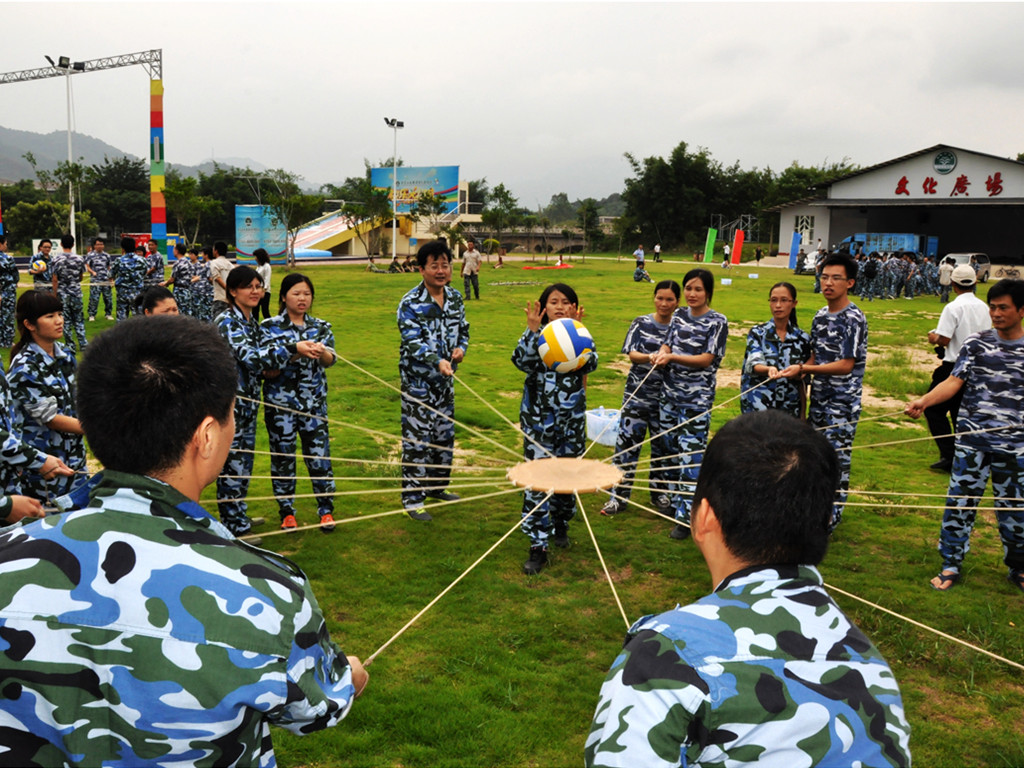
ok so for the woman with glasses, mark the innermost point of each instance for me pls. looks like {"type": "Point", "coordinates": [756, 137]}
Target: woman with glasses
{"type": "Point", "coordinates": [772, 347]}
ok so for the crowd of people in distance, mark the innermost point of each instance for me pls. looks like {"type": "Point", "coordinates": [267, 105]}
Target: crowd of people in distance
{"type": "Point", "coordinates": [687, 686]}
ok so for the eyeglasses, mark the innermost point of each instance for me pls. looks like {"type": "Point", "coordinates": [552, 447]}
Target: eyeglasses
{"type": "Point", "coordinates": [834, 278]}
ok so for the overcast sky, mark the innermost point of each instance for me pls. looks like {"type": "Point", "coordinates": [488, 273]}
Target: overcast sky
{"type": "Point", "coordinates": [544, 97]}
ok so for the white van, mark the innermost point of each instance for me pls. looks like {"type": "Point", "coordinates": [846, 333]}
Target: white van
{"type": "Point", "coordinates": [984, 264]}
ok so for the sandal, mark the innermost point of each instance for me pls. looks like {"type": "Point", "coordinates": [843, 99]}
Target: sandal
{"type": "Point", "coordinates": [947, 581]}
{"type": "Point", "coordinates": [1017, 579]}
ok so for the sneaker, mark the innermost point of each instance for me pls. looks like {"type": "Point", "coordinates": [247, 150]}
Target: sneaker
{"type": "Point", "coordinates": [419, 514]}
{"type": "Point", "coordinates": [93, 319]}
{"type": "Point", "coordinates": [443, 495]}
{"type": "Point", "coordinates": [326, 522]}
{"type": "Point", "coordinates": [288, 523]}
{"type": "Point", "coordinates": [536, 562]}
{"type": "Point", "coordinates": [561, 537]}
{"type": "Point", "coordinates": [110, 317]}
{"type": "Point", "coordinates": [680, 532]}
{"type": "Point", "coordinates": [612, 507]}
{"type": "Point", "coordinates": [942, 465]}
{"type": "Point", "coordinates": [254, 521]}
{"type": "Point", "coordinates": [663, 502]}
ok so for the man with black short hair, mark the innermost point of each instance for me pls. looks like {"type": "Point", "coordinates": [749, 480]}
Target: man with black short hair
{"type": "Point", "coordinates": [434, 339]}
{"type": "Point", "coordinates": [9, 277]}
{"type": "Point", "coordinates": [471, 269]}
{"type": "Point", "coordinates": [989, 435]}
{"type": "Point", "coordinates": [766, 668]}
{"type": "Point", "coordinates": [161, 638]}
{"type": "Point", "coordinates": [128, 271]}
{"type": "Point", "coordinates": [68, 268]}
{"type": "Point", "coordinates": [219, 269]}
{"type": "Point", "coordinates": [97, 263]}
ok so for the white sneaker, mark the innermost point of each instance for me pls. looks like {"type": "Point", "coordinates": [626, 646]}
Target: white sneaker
{"type": "Point", "coordinates": [612, 507]}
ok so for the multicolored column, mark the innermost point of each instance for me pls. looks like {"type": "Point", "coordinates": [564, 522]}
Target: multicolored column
{"type": "Point", "coordinates": [158, 207]}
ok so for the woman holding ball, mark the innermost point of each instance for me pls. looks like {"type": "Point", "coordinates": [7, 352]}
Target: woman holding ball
{"type": "Point", "coordinates": [552, 417]}
{"type": "Point", "coordinates": [691, 355]}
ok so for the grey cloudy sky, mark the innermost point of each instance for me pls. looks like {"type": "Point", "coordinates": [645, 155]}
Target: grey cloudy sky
{"type": "Point", "coordinates": [545, 97]}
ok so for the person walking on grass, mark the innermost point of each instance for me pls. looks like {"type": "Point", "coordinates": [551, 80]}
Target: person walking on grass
{"type": "Point", "coordinates": [990, 436]}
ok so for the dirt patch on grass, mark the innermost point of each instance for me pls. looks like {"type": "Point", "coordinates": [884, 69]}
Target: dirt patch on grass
{"type": "Point", "coordinates": [617, 574]}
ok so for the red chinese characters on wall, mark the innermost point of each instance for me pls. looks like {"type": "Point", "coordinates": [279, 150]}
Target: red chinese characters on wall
{"type": "Point", "coordinates": [994, 184]}
{"type": "Point", "coordinates": [961, 183]}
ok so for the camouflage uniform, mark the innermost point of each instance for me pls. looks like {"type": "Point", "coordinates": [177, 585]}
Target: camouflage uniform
{"type": "Point", "coordinates": [553, 415]}
{"type": "Point", "coordinates": [835, 400]}
{"type": "Point", "coordinates": [641, 414]}
{"type": "Point", "coordinates": [99, 284]}
{"type": "Point", "coordinates": [15, 454]}
{"type": "Point", "coordinates": [43, 387]}
{"type": "Point", "coordinates": [44, 280]}
{"type": "Point", "coordinates": [766, 670]}
{"type": "Point", "coordinates": [302, 386]}
{"type": "Point", "coordinates": [161, 640]}
{"type": "Point", "coordinates": [992, 370]}
{"type": "Point", "coordinates": [181, 274]}
{"type": "Point", "coordinates": [687, 398]}
{"type": "Point", "coordinates": [9, 277]}
{"type": "Point", "coordinates": [252, 357]}
{"type": "Point", "coordinates": [155, 262]}
{"type": "Point", "coordinates": [429, 334]}
{"type": "Point", "coordinates": [892, 273]}
{"type": "Point", "coordinates": [69, 269]}
{"type": "Point", "coordinates": [202, 292]}
{"type": "Point", "coordinates": [764, 347]}
{"type": "Point", "coordinates": [127, 271]}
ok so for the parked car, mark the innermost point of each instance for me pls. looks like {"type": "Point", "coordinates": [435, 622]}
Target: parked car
{"type": "Point", "coordinates": [983, 262]}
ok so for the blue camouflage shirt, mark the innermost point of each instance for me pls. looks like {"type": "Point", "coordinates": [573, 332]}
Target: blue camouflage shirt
{"type": "Point", "coordinates": [764, 347]}
{"type": "Point", "coordinates": [839, 336]}
{"type": "Point", "coordinates": [429, 334]}
{"type": "Point", "coordinates": [693, 389]}
{"type": "Point", "coordinates": [766, 670]}
{"type": "Point", "coordinates": [550, 399]}
{"type": "Point", "coordinates": [252, 354]}
{"type": "Point", "coordinates": [128, 271]}
{"type": "Point", "coordinates": [139, 631]}
{"type": "Point", "coordinates": [992, 370]}
{"type": "Point", "coordinates": [69, 268]}
{"type": "Point", "coordinates": [645, 335]}
{"type": "Point", "coordinates": [302, 384]}
{"type": "Point", "coordinates": [100, 262]}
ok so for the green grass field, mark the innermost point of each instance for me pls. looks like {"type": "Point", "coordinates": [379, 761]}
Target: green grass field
{"type": "Point", "coordinates": [505, 669]}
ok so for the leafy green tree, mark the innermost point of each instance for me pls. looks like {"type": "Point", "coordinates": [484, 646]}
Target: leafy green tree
{"type": "Point", "coordinates": [366, 208]}
{"type": "Point", "coordinates": [501, 213]}
{"type": "Point", "coordinates": [228, 186]}
{"type": "Point", "coordinates": [588, 219]}
{"type": "Point", "coordinates": [291, 206]}
{"type": "Point", "coordinates": [118, 195]}
{"type": "Point", "coordinates": [431, 208]}
{"type": "Point", "coordinates": [479, 195]}
{"type": "Point", "coordinates": [560, 210]}
{"type": "Point", "coordinates": [45, 218]}
{"type": "Point", "coordinates": [188, 208]}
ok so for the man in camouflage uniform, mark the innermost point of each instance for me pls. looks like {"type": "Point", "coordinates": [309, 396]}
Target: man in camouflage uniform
{"type": "Point", "coordinates": [767, 669]}
{"type": "Point", "coordinates": [9, 277]}
{"type": "Point", "coordinates": [128, 272]}
{"type": "Point", "coordinates": [839, 350]}
{"type": "Point", "coordinates": [162, 639]}
{"type": "Point", "coordinates": [434, 338]}
{"type": "Point", "coordinates": [97, 263]}
{"type": "Point", "coordinates": [181, 278]}
{"type": "Point", "coordinates": [154, 265]}
{"type": "Point", "coordinates": [42, 279]}
{"type": "Point", "coordinates": [68, 269]}
{"type": "Point", "coordinates": [990, 371]}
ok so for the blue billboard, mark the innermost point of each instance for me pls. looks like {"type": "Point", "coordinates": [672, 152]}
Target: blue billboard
{"type": "Point", "coordinates": [441, 180]}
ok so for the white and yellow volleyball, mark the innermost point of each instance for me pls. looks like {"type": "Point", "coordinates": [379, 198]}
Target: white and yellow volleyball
{"type": "Point", "coordinates": [565, 345]}
{"type": "Point", "coordinates": [39, 265]}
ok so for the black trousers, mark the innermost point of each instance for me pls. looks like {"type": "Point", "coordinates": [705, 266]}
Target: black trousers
{"type": "Point", "coordinates": [941, 417]}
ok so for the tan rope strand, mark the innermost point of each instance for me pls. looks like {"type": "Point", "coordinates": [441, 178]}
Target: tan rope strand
{"type": "Point", "coordinates": [508, 421]}
{"type": "Point", "coordinates": [600, 557]}
{"type": "Point", "coordinates": [626, 402]}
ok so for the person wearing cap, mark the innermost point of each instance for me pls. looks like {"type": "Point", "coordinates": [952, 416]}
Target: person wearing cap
{"type": "Point", "coordinates": [965, 315]}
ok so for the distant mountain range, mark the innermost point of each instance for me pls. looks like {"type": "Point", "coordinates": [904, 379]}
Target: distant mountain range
{"type": "Point", "coordinates": [52, 148]}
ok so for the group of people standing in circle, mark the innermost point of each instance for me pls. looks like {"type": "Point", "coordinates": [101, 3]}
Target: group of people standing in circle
{"type": "Point", "coordinates": [676, 352]}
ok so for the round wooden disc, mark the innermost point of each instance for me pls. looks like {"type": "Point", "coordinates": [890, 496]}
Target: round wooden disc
{"type": "Point", "coordinates": [565, 475]}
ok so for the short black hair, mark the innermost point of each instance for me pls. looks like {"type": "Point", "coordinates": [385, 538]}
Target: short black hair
{"type": "Point", "coordinates": [179, 248]}
{"type": "Point", "coordinates": [771, 480]}
{"type": "Point", "coordinates": [435, 248]}
{"type": "Point", "coordinates": [221, 248]}
{"type": "Point", "coordinates": [67, 241]}
{"type": "Point", "coordinates": [843, 260]}
{"type": "Point", "coordinates": [98, 240]}
{"type": "Point", "coordinates": [670, 285]}
{"type": "Point", "coordinates": [238, 277]}
{"type": "Point", "coordinates": [128, 244]}
{"type": "Point", "coordinates": [706, 279]}
{"type": "Point", "coordinates": [1008, 287]}
{"type": "Point", "coordinates": [289, 282]}
{"type": "Point", "coordinates": [146, 385]}
{"type": "Point", "coordinates": [261, 256]}
{"type": "Point", "coordinates": [147, 300]}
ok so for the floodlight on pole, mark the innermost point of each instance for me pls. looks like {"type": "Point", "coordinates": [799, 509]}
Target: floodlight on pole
{"type": "Point", "coordinates": [394, 124]}
{"type": "Point", "coordinates": [63, 62]}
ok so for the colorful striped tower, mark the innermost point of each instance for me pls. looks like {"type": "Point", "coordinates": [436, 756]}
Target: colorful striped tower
{"type": "Point", "coordinates": [158, 207]}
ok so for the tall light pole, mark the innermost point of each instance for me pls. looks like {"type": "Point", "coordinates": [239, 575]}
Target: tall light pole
{"type": "Point", "coordinates": [64, 63]}
{"type": "Point", "coordinates": [395, 124]}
